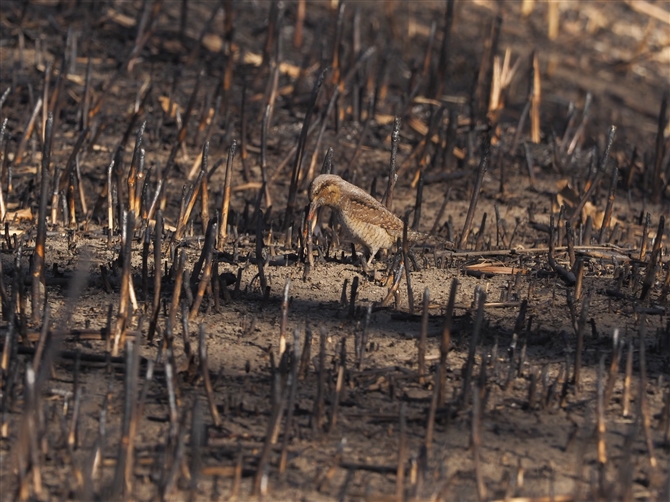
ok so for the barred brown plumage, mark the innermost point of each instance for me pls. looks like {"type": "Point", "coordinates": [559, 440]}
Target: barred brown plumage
{"type": "Point", "coordinates": [363, 216]}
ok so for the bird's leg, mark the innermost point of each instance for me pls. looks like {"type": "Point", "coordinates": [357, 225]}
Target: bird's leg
{"type": "Point", "coordinates": [373, 253]}
{"type": "Point", "coordinates": [365, 265]}
{"type": "Point", "coordinates": [354, 254]}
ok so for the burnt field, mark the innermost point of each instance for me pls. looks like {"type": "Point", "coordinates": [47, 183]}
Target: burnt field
{"type": "Point", "coordinates": [173, 328]}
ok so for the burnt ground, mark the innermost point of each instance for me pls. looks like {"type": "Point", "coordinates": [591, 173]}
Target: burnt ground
{"type": "Point", "coordinates": [526, 426]}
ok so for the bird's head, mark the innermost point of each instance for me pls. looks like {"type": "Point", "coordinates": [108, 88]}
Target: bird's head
{"type": "Point", "coordinates": [325, 190]}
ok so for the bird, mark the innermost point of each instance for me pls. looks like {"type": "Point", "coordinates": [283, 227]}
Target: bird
{"type": "Point", "coordinates": [368, 221]}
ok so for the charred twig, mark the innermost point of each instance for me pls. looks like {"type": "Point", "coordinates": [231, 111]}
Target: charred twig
{"type": "Point", "coordinates": [158, 240]}
{"type": "Point", "coordinates": [617, 349]}
{"type": "Point", "coordinates": [650, 273]}
{"type": "Point", "coordinates": [337, 392]}
{"type": "Point", "coordinates": [405, 253]}
{"type": "Point", "coordinates": [402, 452]}
{"type": "Point", "coordinates": [659, 153]}
{"type": "Point", "coordinates": [483, 166]}
{"type": "Point", "coordinates": [275, 417]}
{"type": "Point", "coordinates": [439, 80]}
{"type": "Point", "coordinates": [474, 339]}
{"type": "Point", "coordinates": [260, 259]}
{"type": "Point", "coordinates": [204, 372]}
{"type": "Point", "coordinates": [566, 275]}
{"type": "Point", "coordinates": [293, 383]}
{"type": "Point", "coordinates": [393, 177]}
{"type": "Point", "coordinates": [475, 443]}
{"type": "Point", "coordinates": [27, 131]}
{"type": "Point", "coordinates": [223, 229]}
{"type": "Point", "coordinates": [625, 400]}
{"type": "Point", "coordinates": [284, 318]}
{"type": "Point", "coordinates": [577, 211]}
{"type": "Point", "coordinates": [123, 476]}
{"type": "Point", "coordinates": [581, 327]}
{"type": "Point", "coordinates": [297, 173]}
{"type": "Point", "coordinates": [430, 423]}
{"type": "Point", "coordinates": [206, 273]}
{"type": "Point", "coordinates": [187, 208]}
{"type": "Point", "coordinates": [643, 403]}
{"type": "Point", "coordinates": [600, 414]}
{"type": "Point", "coordinates": [610, 204]}
{"type": "Point", "coordinates": [423, 336]}
{"type": "Point", "coordinates": [40, 239]}
{"type": "Point", "coordinates": [446, 341]}
{"type": "Point", "coordinates": [317, 412]}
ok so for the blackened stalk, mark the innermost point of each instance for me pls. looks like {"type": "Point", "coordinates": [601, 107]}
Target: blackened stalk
{"type": "Point", "coordinates": [535, 95]}
{"type": "Point", "coordinates": [417, 204]}
{"type": "Point", "coordinates": [581, 328]}
{"type": "Point", "coordinates": [645, 232]}
{"type": "Point", "coordinates": [393, 177]}
{"type": "Point", "coordinates": [566, 275]}
{"type": "Point", "coordinates": [610, 204]}
{"type": "Point", "coordinates": [317, 412]}
{"type": "Point", "coordinates": [284, 318]}
{"type": "Point", "coordinates": [67, 172]}
{"type": "Point", "coordinates": [145, 263]}
{"type": "Point", "coordinates": [158, 244]}
{"type": "Point", "coordinates": [190, 203]}
{"type": "Point", "coordinates": [625, 405]}
{"type": "Point", "coordinates": [297, 174]}
{"type": "Point", "coordinates": [319, 136]}
{"type": "Point", "coordinates": [617, 350]}
{"type": "Point", "coordinates": [110, 203]}
{"type": "Point", "coordinates": [197, 436]}
{"type": "Point", "coordinates": [474, 339]}
{"type": "Point", "coordinates": [206, 274]}
{"type": "Point", "coordinates": [430, 426]}
{"type": "Point", "coordinates": [650, 273]}
{"type": "Point", "coordinates": [37, 359]}
{"type": "Point", "coordinates": [643, 403]}
{"type": "Point", "coordinates": [28, 130]}
{"type": "Point", "coordinates": [405, 254]}
{"type": "Point", "coordinates": [402, 453]}
{"type": "Point", "coordinates": [132, 173]}
{"type": "Point", "coordinates": [176, 292]}
{"type": "Point", "coordinates": [446, 341]}
{"type": "Point", "coordinates": [40, 239]}
{"type": "Point", "coordinates": [204, 203]}
{"type": "Point", "coordinates": [204, 373]}
{"type": "Point", "coordinates": [260, 259]}
{"type": "Point", "coordinates": [126, 278]}
{"type": "Point", "coordinates": [184, 127]}
{"type": "Point", "coordinates": [264, 162]}
{"type": "Point", "coordinates": [123, 475]}
{"type": "Point", "coordinates": [483, 166]}
{"type": "Point", "coordinates": [352, 297]}
{"type": "Point", "coordinates": [293, 382]}
{"type": "Point", "coordinates": [601, 171]}
{"type": "Point", "coordinates": [657, 184]}
{"type": "Point", "coordinates": [424, 335]}
{"type": "Point", "coordinates": [440, 213]}
{"type": "Point", "coordinates": [600, 413]}
{"type": "Point", "coordinates": [275, 418]}
{"type": "Point", "coordinates": [475, 441]}
{"type": "Point", "coordinates": [86, 99]}
{"type": "Point", "coordinates": [225, 206]}
{"type": "Point", "coordinates": [443, 65]}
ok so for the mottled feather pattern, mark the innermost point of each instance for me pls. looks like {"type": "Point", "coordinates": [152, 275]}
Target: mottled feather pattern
{"type": "Point", "coordinates": [363, 216]}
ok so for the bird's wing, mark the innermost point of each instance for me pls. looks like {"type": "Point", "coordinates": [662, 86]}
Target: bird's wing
{"type": "Point", "coordinates": [371, 211]}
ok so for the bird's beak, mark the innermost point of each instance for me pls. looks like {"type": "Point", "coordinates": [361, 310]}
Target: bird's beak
{"type": "Point", "coordinates": [310, 220]}
{"type": "Point", "coordinates": [312, 211]}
